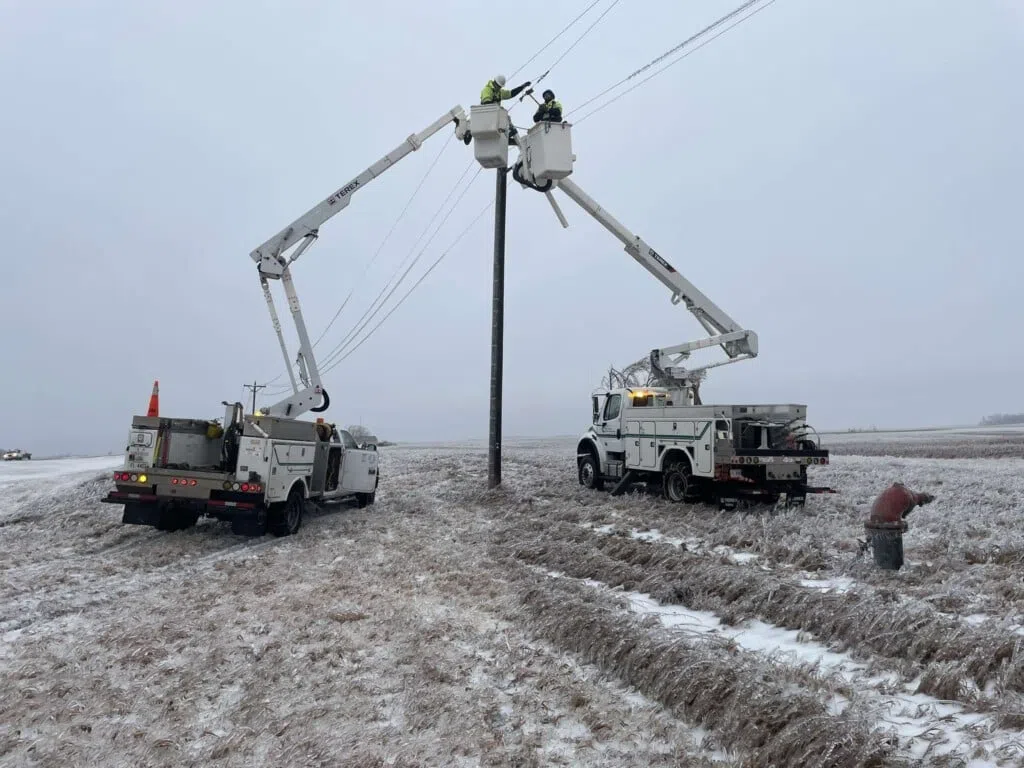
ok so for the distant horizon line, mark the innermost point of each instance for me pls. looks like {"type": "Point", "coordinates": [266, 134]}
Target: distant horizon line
{"type": "Point", "coordinates": [830, 431]}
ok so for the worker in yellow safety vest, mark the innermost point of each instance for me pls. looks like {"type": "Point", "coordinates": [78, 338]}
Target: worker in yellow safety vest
{"type": "Point", "coordinates": [550, 111]}
{"type": "Point", "coordinates": [495, 91]}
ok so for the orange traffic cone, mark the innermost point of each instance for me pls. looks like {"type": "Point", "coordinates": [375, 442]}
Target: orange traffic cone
{"type": "Point", "coordinates": [154, 400]}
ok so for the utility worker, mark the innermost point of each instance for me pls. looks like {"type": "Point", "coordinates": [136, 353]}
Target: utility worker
{"type": "Point", "coordinates": [494, 91]}
{"type": "Point", "coordinates": [550, 111]}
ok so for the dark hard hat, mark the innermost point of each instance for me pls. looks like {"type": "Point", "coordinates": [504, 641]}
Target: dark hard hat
{"type": "Point", "coordinates": [548, 94]}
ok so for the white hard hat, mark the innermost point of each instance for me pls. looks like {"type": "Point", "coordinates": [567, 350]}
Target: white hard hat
{"type": "Point", "coordinates": [500, 80]}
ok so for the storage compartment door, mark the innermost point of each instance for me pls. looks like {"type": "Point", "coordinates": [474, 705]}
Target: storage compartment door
{"type": "Point", "coordinates": [632, 442]}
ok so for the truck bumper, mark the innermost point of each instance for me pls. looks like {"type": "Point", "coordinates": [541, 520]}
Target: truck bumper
{"type": "Point", "coordinates": [246, 517]}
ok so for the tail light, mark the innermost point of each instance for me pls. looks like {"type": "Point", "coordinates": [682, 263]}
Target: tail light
{"type": "Point", "coordinates": [242, 487]}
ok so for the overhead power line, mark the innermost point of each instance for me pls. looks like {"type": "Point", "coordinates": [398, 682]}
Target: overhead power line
{"type": "Point", "coordinates": [384, 294]}
{"type": "Point", "coordinates": [577, 41]}
{"type": "Point", "coordinates": [423, 277]}
{"type": "Point", "coordinates": [732, 14]}
{"type": "Point", "coordinates": [553, 39]}
{"type": "Point", "coordinates": [380, 247]}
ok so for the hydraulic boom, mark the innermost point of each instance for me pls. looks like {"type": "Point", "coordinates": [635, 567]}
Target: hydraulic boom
{"type": "Point", "coordinates": [545, 161]}
{"type": "Point", "coordinates": [273, 263]}
{"type": "Point", "coordinates": [738, 344]}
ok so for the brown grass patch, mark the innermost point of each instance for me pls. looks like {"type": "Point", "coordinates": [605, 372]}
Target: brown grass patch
{"type": "Point", "coordinates": [754, 706]}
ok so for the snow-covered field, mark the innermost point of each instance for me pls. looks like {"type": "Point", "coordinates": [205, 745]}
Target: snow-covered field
{"type": "Point", "coordinates": [539, 624]}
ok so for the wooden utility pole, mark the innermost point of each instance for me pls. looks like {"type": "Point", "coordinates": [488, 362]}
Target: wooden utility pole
{"type": "Point", "coordinates": [254, 387]}
{"type": "Point", "coordinates": [497, 331]}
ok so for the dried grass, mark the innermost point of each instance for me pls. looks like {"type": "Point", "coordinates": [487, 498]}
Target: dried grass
{"type": "Point", "coordinates": [753, 706]}
{"type": "Point", "coordinates": [869, 622]}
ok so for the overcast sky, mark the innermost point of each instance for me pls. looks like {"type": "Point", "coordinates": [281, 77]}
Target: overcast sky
{"type": "Point", "coordinates": [844, 178]}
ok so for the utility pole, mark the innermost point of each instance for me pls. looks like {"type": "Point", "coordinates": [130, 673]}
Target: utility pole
{"type": "Point", "coordinates": [254, 387]}
{"type": "Point", "coordinates": [497, 331]}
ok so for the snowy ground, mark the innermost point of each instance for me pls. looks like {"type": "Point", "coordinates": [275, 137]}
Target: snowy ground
{"type": "Point", "coordinates": [536, 625]}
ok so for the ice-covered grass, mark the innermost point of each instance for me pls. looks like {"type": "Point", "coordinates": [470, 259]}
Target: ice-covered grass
{"type": "Point", "coordinates": [977, 442]}
{"type": "Point", "coordinates": [925, 726]}
{"type": "Point", "coordinates": [423, 630]}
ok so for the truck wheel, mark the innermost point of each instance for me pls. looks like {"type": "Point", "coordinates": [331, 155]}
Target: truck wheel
{"type": "Point", "coordinates": [590, 473]}
{"type": "Point", "coordinates": [365, 499]}
{"type": "Point", "coordinates": [286, 519]}
{"type": "Point", "coordinates": [678, 485]}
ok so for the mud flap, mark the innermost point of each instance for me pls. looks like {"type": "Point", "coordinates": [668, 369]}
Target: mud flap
{"type": "Point", "coordinates": [623, 484]}
{"type": "Point", "coordinates": [254, 524]}
{"type": "Point", "coordinates": [141, 514]}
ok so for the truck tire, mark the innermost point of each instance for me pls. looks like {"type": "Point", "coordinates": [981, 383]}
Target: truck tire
{"type": "Point", "coordinates": [286, 519]}
{"type": "Point", "coordinates": [677, 483]}
{"type": "Point", "coordinates": [366, 499]}
{"type": "Point", "coordinates": [590, 473]}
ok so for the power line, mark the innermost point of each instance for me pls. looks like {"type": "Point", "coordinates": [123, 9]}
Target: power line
{"type": "Point", "coordinates": [373, 309]}
{"type": "Point", "coordinates": [676, 48]}
{"type": "Point", "coordinates": [670, 64]}
{"type": "Point", "coordinates": [553, 39]}
{"type": "Point", "coordinates": [577, 41]}
{"type": "Point", "coordinates": [444, 146]}
{"type": "Point", "coordinates": [437, 261]}
{"type": "Point", "coordinates": [382, 296]}
{"type": "Point", "coordinates": [348, 340]}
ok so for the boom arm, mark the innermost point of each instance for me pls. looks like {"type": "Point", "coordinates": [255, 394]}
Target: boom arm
{"type": "Point", "coordinates": [738, 344]}
{"type": "Point", "coordinates": [546, 161]}
{"type": "Point", "coordinates": [272, 264]}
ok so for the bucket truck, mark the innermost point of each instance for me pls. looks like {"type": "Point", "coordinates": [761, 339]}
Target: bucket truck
{"type": "Point", "coordinates": [664, 435]}
{"type": "Point", "coordinates": [258, 470]}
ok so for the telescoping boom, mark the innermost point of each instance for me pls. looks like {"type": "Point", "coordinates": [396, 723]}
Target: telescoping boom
{"type": "Point", "coordinates": [545, 162]}
{"type": "Point", "coordinates": [738, 343]}
{"type": "Point", "coordinates": [274, 258]}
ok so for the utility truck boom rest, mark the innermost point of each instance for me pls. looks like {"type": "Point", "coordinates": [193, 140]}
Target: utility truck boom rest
{"type": "Point", "coordinates": [663, 434]}
{"type": "Point", "coordinates": [258, 470]}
